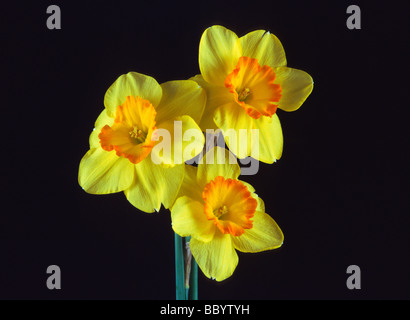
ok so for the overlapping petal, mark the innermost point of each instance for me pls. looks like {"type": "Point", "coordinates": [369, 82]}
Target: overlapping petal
{"type": "Point", "coordinates": [189, 219]}
{"type": "Point", "coordinates": [190, 186]}
{"type": "Point", "coordinates": [236, 127]}
{"type": "Point", "coordinates": [132, 84]}
{"type": "Point", "coordinates": [217, 162]}
{"type": "Point", "coordinates": [265, 47]}
{"type": "Point", "coordinates": [102, 120]}
{"type": "Point", "coordinates": [217, 95]}
{"type": "Point", "coordinates": [179, 98]}
{"type": "Point", "coordinates": [103, 172]}
{"type": "Point", "coordinates": [219, 51]}
{"type": "Point", "coordinates": [154, 184]}
{"type": "Point", "coordinates": [181, 141]}
{"type": "Point", "coordinates": [217, 258]}
{"type": "Point", "coordinates": [296, 87]}
{"type": "Point", "coordinates": [270, 138]}
{"type": "Point", "coordinates": [264, 235]}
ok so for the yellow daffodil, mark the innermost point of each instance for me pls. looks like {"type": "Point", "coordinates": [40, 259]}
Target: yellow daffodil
{"type": "Point", "coordinates": [246, 80]}
{"type": "Point", "coordinates": [123, 154]}
{"type": "Point", "coordinates": [221, 214]}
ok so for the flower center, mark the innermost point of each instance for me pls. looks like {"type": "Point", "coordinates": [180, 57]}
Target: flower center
{"type": "Point", "coordinates": [253, 88]}
{"type": "Point", "coordinates": [220, 211]}
{"type": "Point", "coordinates": [245, 92]}
{"type": "Point", "coordinates": [130, 135]}
{"type": "Point", "coordinates": [229, 204]}
{"type": "Point", "coordinates": [138, 135]}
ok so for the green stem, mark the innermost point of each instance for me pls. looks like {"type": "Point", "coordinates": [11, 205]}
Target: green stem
{"type": "Point", "coordinates": [193, 281]}
{"type": "Point", "coordinates": [179, 268]}
{"type": "Point", "coordinates": [186, 270]}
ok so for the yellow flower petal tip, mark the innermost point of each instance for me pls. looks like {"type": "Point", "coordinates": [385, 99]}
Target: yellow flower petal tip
{"type": "Point", "coordinates": [222, 214]}
{"type": "Point", "coordinates": [247, 80]}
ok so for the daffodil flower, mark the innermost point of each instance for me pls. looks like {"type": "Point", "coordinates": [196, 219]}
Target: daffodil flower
{"type": "Point", "coordinates": [246, 80]}
{"type": "Point", "coordinates": [221, 214]}
{"type": "Point", "coordinates": [123, 154]}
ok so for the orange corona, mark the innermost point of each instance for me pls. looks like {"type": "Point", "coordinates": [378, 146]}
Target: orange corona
{"type": "Point", "coordinates": [253, 88]}
{"type": "Point", "coordinates": [130, 135]}
{"type": "Point", "coordinates": [229, 204]}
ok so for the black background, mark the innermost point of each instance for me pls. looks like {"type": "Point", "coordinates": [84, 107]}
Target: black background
{"type": "Point", "coordinates": [340, 192]}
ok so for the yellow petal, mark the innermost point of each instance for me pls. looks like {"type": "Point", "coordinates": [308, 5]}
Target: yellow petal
{"type": "Point", "coordinates": [189, 219]}
{"type": "Point", "coordinates": [132, 84]}
{"type": "Point", "coordinates": [217, 162]}
{"type": "Point", "coordinates": [264, 235]}
{"type": "Point", "coordinates": [182, 140]}
{"type": "Point", "coordinates": [265, 47]}
{"type": "Point", "coordinates": [236, 127]}
{"type": "Point", "coordinates": [190, 186]}
{"type": "Point", "coordinates": [216, 97]}
{"type": "Point", "coordinates": [270, 138]}
{"type": "Point", "coordinates": [250, 187]}
{"type": "Point", "coordinates": [219, 51]}
{"type": "Point", "coordinates": [261, 205]}
{"type": "Point", "coordinates": [103, 172]}
{"type": "Point", "coordinates": [153, 185]}
{"type": "Point", "coordinates": [296, 87]}
{"type": "Point", "coordinates": [181, 97]}
{"type": "Point", "coordinates": [217, 258]}
{"type": "Point", "coordinates": [102, 120]}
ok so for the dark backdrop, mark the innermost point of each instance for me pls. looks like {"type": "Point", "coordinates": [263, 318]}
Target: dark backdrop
{"type": "Point", "coordinates": [339, 193]}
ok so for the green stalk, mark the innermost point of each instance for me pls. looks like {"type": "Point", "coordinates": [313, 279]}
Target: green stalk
{"type": "Point", "coordinates": [193, 281]}
{"type": "Point", "coordinates": [186, 270]}
{"type": "Point", "coordinates": [179, 268]}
